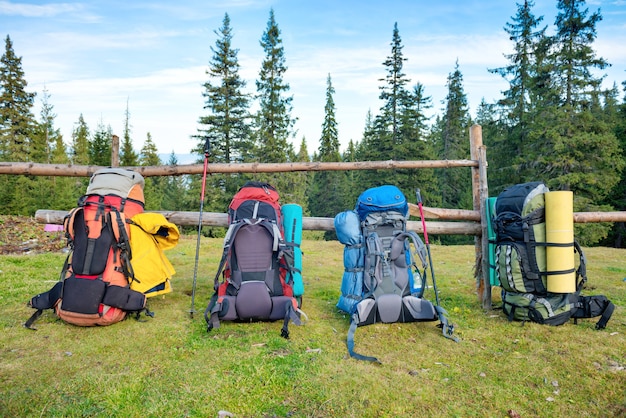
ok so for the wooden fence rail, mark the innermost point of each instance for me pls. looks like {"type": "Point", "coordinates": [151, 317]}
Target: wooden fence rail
{"type": "Point", "coordinates": [69, 170]}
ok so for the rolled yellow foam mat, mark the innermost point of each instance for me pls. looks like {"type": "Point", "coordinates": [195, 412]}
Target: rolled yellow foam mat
{"type": "Point", "coordinates": [560, 230]}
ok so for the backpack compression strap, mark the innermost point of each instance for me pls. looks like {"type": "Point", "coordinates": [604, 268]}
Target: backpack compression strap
{"type": "Point", "coordinates": [350, 342]}
{"type": "Point", "coordinates": [42, 301]}
{"type": "Point", "coordinates": [606, 315]}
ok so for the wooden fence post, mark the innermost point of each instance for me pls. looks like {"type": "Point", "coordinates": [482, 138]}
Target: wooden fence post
{"type": "Point", "coordinates": [479, 194]}
{"type": "Point", "coordinates": [115, 151]}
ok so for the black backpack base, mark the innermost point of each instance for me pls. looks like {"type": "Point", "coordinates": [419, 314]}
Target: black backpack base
{"type": "Point", "coordinates": [556, 309]}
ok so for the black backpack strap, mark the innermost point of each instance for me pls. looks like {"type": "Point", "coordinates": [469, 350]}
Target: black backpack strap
{"type": "Point", "coordinates": [606, 315]}
{"type": "Point", "coordinates": [290, 315]}
{"type": "Point", "coordinates": [43, 301]}
{"type": "Point", "coordinates": [350, 342]}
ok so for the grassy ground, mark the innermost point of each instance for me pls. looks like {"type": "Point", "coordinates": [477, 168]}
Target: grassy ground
{"type": "Point", "coordinates": [169, 366]}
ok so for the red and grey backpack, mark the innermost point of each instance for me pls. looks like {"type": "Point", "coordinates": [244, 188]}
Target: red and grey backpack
{"type": "Point", "coordinates": [256, 267]}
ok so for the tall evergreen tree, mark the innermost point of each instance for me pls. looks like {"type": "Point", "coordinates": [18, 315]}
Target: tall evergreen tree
{"type": "Point", "coordinates": [510, 150]}
{"type": "Point", "coordinates": [16, 131]}
{"type": "Point", "coordinates": [45, 134]}
{"type": "Point", "coordinates": [328, 189]}
{"type": "Point", "coordinates": [227, 126]}
{"type": "Point", "coordinates": [100, 146]}
{"type": "Point", "coordinates": [585, 155]}
{"type": "Point", "coordinates": [79, 154]}
{"type": "Point", "coordinates": [394, 90]}
{"type": "Point", "coordinates": [574, 54]}
{"type": "Point", "coordinates": [16, 118]}
{"type": "Point", "coordinates": [128, 157]}
{"type": "Point", "coordinates": [153, 191]}
{"type": "Point", "coordinates": [227, 123]}
{"type": "Point", "coordinates": [47, 147]}
{"type": "Point", "coordinates": [274, 124]}
{"type": "Point", "coordinates": [174, 189]}
{"type": "Point", "coordinates": [452, 143]}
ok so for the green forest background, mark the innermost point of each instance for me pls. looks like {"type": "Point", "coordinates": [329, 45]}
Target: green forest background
{"type": "Point", "coordinates": [555, 123]}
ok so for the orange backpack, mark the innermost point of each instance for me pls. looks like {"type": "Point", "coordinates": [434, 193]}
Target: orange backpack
{"type": "Point", "coordinates": [94, 288]}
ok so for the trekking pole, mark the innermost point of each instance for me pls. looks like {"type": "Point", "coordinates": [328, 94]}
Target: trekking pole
{"type": "Point", "coordinates": [207, 147]}
{"type": "Point", "coordinates": [447, 329]}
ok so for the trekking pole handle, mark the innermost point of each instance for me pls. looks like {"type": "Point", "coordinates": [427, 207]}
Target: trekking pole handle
{"type": "Point", "coordinates": [207, 146]}
{"type": "Point", "coordinates": [418, 196]}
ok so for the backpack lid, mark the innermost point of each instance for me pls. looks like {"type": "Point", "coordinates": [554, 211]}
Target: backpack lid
{"type": "Point", "coordinates": [380, 199]}
{"type": "Point", "coordinates": [522, 199]}
{"type": "Point", "coordinates": [117, 181]}
{"type": "Point", "coordinates": [255, 190]}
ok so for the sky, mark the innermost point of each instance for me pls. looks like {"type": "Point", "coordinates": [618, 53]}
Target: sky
{"type": "Point", "coordinates": [100, 58]}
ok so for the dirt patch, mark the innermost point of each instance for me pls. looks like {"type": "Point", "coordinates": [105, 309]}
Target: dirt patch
{"type": "Point", "coordinates": [24, 235]}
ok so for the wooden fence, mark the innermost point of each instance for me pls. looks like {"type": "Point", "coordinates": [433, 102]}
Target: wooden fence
{"type": "Point", "coordinates": [439, 221]}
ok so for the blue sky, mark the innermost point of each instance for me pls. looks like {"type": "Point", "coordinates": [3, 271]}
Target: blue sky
{"type": "Point", "coordinates": [94, 57]}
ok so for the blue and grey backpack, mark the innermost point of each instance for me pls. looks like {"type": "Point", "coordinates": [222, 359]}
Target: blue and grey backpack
{"type": "Point", "coordinates": [382, 281]}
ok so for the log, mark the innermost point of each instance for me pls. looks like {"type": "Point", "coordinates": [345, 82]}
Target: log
{"type": "Point", "coordinates": [69, 170]}
{"type": "Point", "coordinates": [587, 217]}
{"type": "Point", "coordinates": [45, 216]}
{"type": "Point", "coordinates": [445, 214]}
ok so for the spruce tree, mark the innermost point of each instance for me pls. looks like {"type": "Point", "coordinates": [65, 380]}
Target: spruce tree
{"type": "Point", "coordinates": [273, 122]}
{"type": "Point", "coordinates": [16, 131]}
{"type": "Point", "coordinates": [48, 148]}
{"type": "Point", "coordinates": [128, 155]}
{"type": "Point", "coordinates": [227, 124]}
{"type": "Point", "coordinates": [509, 152]}
{"type": "Point", "coordinates": [585, 155]}
{"type": "Point", "coordinates": [394, 90]}
{"type": "Point", "coordinates": [79, 154]}
{"type": "Point", "coordinates": [153, 191]}
{"type": "Point", "coordinates": [174, 189]}
{"type": "Point", "coordinates": [452, 143]}
{"type": "Point", "coordinates": [100, 146]}
{"type": "Point", "coordinates": [329, 188]}
{"type": "Point", "coordinates": [383, 137]}
{"type": "Point", "coordinates": [16, 118]}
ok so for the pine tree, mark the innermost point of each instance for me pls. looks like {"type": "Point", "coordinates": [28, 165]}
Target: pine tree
{"type": "Point", "coordinates": [227, 125]}
{"type": "Point", "coordinates": [414, 144]}
{"type": "Point", "coordinates": [80, 143]}
{"type": "Point", "coordinates": [153, 191]}
{"type": "Point", "coordinates": [273, 121]}
{"type": "Point", "coordinates": [128, 157]}
{"type": "Point", "coordinates": [585, 155]}
{"type": "Point", "coordinates": [510, 151]}
{"type": "Point", "coordinates": [174, 189]}
{"type": "Point", "coordinates": [452, 143]}
{"type": "Point", "coordinates": [228, 121]}
{"type": "Point", "coordinates": [47, 147]}
{"type": "Point", "coordinates": [329, 188]}
{"type": "Point", "coordinates": [575, 57]}
{"type": "Point", "coordinates": [16, 118]}
{"type": "Point", "coordinates": [100, 146]}
{"type": "Point", "coordinates": [16, 131]}
{"type": "Point", "coordinates": [383, 138]}
{"type": "Point", "coordinates": [394, 90]}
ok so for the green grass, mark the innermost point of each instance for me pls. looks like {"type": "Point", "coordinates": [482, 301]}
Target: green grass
{"type": "Point", "coordinates": [169, 366]}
